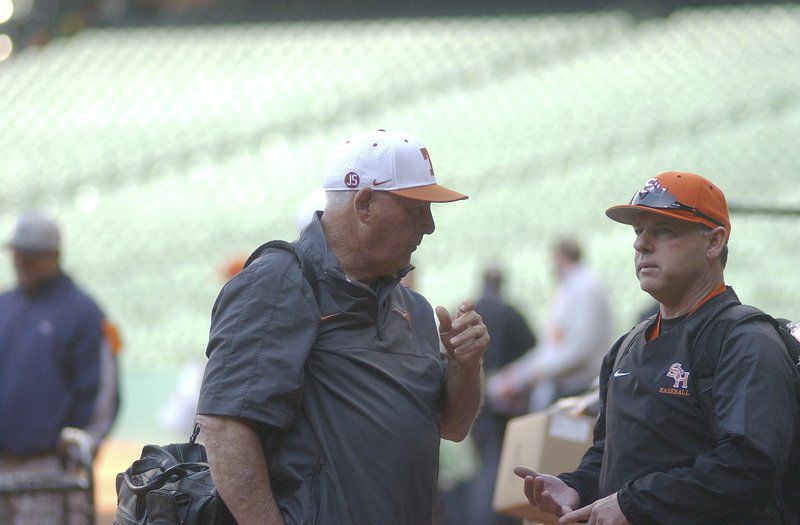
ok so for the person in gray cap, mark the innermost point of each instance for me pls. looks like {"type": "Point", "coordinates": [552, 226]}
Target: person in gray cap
{"type": "Point", "coordinates": [53, 347]}
{"type": "Point", "coordinates": [325, 397]}
{"type": "Point", "coordinates": [35, 244]}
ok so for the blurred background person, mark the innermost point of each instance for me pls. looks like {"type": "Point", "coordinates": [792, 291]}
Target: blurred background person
{"type": "Point", "coordinates": [470, 502]}
{"type": "Point", "coordinates": [512, 338]}
{"type": "Point", "coordinates": [108, 401]}
{"type": "Point", "coordinates": [54, 353]}
{"type": "Point", "coordinates": [578, 331]}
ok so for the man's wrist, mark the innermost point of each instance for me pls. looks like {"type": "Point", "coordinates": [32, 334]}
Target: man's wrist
{"type": "Point", "coordinates": [460, 367]}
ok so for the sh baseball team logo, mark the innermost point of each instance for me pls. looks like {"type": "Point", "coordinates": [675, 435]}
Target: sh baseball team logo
{"type": "Point", "coordinates": [652, 186]}
{"type": "Point", "coordinates": [680, 386]}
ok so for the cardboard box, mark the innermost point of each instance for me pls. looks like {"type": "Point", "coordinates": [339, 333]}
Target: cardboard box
{"type": "Point", "coordinates": [547, 442]}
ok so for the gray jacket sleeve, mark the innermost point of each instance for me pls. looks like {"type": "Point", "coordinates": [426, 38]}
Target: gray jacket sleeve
{"type": "Point", "coordinates": [263, 326]}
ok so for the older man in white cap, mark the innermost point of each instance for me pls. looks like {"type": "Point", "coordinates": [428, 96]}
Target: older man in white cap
{"type": "Point", "coordinates": [325, 395]}
{"type": "Point", "coordinates": [51, 346]}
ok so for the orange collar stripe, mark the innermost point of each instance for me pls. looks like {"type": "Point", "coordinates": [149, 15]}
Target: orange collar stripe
{"type": "Point", "coordinates": [653, 332]}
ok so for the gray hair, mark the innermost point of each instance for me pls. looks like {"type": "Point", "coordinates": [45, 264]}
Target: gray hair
{"type": "Point", "coordinates": [337, 200]}
{"type": "Point", "coordinates": [723, 256]}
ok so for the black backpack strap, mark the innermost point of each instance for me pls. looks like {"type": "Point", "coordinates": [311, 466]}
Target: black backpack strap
{"type": "Point", "coordinates": [705, 357]}
{"type": "Point", "coordinates": [716, 328]}
{"type": "Point", "coordinates": [307, 268]}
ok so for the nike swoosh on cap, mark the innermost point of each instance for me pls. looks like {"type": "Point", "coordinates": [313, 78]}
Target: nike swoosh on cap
{"type": "Point", "coordinates": [376, 183]}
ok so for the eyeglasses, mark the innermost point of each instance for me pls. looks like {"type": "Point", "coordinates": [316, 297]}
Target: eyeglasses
{"type": "Point", "coordinates": [660, 198]}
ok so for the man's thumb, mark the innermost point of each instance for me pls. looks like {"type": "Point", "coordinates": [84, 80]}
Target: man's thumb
{"type": "Point", "coordinates": [445, 322]}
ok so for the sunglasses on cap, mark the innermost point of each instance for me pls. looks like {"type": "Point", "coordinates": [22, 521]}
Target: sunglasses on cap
{"type": "Point", "coordinates": [661, 199]}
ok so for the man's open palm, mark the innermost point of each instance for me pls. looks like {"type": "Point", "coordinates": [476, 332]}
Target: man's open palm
{"type": "Point", "coordinates": [548, 493]}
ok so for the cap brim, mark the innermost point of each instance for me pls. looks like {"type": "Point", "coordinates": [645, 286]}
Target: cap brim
{"type": "Point", "coordinates": [430, 193]}
{"type": "Point", "coordinates": [628, 214]}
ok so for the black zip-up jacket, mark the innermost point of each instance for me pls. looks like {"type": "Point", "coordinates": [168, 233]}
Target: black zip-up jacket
{"type": "Point", "coordinates": [656, 449]}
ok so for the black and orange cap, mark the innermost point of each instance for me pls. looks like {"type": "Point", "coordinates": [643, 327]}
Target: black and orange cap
{"type": "Point", "coordinates": [680, 195]}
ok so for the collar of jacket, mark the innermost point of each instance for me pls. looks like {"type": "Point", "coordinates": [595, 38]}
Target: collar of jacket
{"type": "Point", "coordinates": [315, 247]}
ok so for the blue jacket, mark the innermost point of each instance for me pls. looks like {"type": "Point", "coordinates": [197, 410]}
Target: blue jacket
{"type": "Point", "coordinates": [49, 364]}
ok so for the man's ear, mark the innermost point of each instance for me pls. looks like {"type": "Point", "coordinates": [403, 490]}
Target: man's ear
{"type": "Point", "coordinates": [716, 242]}
{"type": "Point", "coordinates": [361, 203]}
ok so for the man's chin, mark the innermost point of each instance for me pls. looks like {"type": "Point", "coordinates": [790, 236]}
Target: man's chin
{"type": "Point", "coordinates": [646, 285]}
{"type": "Point", "coordinates": [403, 267]}
{"type": "Point", "coordinates": [394, 268]}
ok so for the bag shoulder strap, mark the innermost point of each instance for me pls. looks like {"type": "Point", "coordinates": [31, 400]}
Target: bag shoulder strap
{"type": "Point", "coordinates": [716, 329]}
{"type": "Point", "coordinates": [307, 268]}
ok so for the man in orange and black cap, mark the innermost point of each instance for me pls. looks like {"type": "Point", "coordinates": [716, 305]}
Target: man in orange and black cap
{"type": "Point", "coordinates": [699, 413]}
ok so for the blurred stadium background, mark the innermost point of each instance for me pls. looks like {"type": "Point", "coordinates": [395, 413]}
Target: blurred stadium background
{"type": "Point", "coordinates": [168, 136]}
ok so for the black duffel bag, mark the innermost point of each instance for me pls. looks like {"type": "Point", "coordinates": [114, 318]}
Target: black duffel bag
{"type": "Point", "coordinates": [170, 485]}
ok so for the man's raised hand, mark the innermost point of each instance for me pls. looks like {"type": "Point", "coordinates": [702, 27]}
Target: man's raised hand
{"type": "Point", "coordinates": [464, 337]}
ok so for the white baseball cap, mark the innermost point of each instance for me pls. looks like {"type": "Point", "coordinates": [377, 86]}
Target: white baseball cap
{"type": "Point", "coordinates": [386, 161]}
{"type": "Point", "coordinates": [35, 232]}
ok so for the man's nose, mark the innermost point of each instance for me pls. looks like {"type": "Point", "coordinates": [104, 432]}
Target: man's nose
{"type": "Point", "coordinates": [642, 243]}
